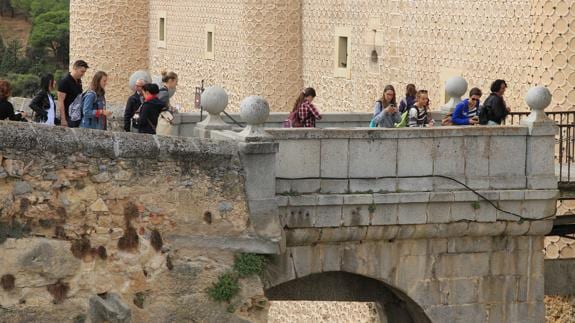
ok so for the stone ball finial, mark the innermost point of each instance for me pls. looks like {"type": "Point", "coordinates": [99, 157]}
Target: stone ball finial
{"type": "Point", "coordinates": [139, 75]}
{"type": "Point", "coordinates": [254, 110]}
{"type": "Point", "coordinates": [456, 86]}
{"type": "Point", "coordinates": [538, 98]}
{"type": "Point", "coordinates": [214, 100]}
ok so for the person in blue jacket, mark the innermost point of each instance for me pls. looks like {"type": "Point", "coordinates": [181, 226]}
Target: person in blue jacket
{"type": "Point", "coordinates": [466, 111]}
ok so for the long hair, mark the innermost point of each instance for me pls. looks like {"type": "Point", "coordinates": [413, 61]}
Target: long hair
{"type": "Point", "coordinates": [166, 76]}
{"type": "Point", "coordinates": [384, 102]}
{"type": "Point", "coordinates": [410, 90]}
{"type": "Point", "coordinates": [46, 82]}
{"type": "Point", "coordinates": [96, 86]}
{"type": "Point", "coordinates": [307, 92]}
{"type": "Point", "coordinates": [5, 90]}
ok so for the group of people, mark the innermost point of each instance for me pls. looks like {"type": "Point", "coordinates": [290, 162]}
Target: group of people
{"type": "Point", "coordinates": [413, 109]}
{"type": "Point", "coordinates": [88, 109]}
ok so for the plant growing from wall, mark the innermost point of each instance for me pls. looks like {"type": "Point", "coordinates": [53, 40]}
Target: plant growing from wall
{"type": "Point", "coordinates": [227, 286]}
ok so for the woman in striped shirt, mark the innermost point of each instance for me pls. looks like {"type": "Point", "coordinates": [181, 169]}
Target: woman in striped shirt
{"type": "Point", "coordinates": [419, 113]}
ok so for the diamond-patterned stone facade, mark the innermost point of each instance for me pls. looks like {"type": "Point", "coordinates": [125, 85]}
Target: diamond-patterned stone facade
{"type": "Point", "coordinates": [273, 48]}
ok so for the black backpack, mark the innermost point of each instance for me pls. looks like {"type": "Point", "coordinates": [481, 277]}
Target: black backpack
{"type": "Point", "coordinates": [485, 110]}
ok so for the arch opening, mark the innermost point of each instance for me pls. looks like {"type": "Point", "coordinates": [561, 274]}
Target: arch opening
{"type": "Point", "coordinates": [393, 305]}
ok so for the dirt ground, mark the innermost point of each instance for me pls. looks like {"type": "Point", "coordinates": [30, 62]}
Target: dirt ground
{"type": "Point", "coordinates": [559, 309]}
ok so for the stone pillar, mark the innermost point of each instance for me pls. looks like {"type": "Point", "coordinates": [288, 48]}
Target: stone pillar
{"type": "Point", "coordinates": [214, 101]}
{"type": "Point", "coordinates": [112, 36]}
{"type": "Point", "coordinates": [540, 168]}
{"type": "Point", "coordinates": [455, 87]}
{"type": "Point", "coordinates": [272, 51]}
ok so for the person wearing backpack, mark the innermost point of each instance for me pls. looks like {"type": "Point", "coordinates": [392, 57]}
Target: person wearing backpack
{"type": "Point", "coordinates": [495, 110]}
{"type": "Point", "coordinates": [304, 114]}
{"type": "Point", "coordinates": [465, 112]}
{"type": "Point", "coordinates": [409, 100]}
{"type": "Point", "coordinates": [151, 109]}
{"type": "Point", "coordinates": [68, 89]}
{"type": "Point", "coordinates": [94, 113]}
{"type": "Point", "coordinates": [419, 113]}
{"type": "Point", "coordinates": [386, 114]}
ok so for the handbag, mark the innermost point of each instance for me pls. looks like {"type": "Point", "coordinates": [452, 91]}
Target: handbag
{"type": "Point", "coordinates": [136, 118]}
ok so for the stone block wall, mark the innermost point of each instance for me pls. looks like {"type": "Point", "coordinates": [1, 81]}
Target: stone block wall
{"type": "Point", "coordinates": [143, 223]}
{"type": "Point", "coordinates": [482, 279]}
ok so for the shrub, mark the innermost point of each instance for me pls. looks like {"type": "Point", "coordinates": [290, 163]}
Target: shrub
{"type": "Point", "coordinates": [225, 288]}
{"type": "Point", "coordinates": [247, 264]}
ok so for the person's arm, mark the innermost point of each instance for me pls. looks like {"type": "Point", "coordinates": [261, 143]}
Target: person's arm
{"type": "Point", "coordinates": [62, 109]}
{"type": "Point", "coordinates": [88, 105]}
{"type": "Point", "coordinates": [314, 111]}
{"type": "Point", "coordinates": [412, 117]}
{"type": "Point", "coordinates": [10, 112]}
{"type": "Point", "coordinates": [377, 108]}
{"type": "Point", "coordinates": [458, 118]}
{"type": "Point", "coordinates": [378, 118]}
{"type": "Point", "coordinates": [37, 105]}
{"type": "Point", "coordinates": [145, 117]}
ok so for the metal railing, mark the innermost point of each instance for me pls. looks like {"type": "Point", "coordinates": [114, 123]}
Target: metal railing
{"type": "Point", "coordinates": [564, 143]}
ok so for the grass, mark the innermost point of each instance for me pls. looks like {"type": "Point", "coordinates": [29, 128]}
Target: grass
{"type": "Point", "coordinates": [247, 264]}
{"type": "Point", "coordinates": [225, 288]}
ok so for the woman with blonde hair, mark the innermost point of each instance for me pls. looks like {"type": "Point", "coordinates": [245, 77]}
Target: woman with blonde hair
{"type": "Point", "coordinates": [94, 113]}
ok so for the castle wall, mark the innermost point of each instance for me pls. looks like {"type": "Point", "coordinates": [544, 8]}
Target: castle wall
{"type": "Point", "coordinates": [257, 49]}
{"type": "Point", "coordinates": [111, 35]}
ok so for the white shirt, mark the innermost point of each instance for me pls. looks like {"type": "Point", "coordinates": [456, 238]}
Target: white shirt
{"type": "Point", "coordinates": [51, 111]}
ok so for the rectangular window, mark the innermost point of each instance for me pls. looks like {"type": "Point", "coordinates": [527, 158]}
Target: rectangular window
{"type": "Point", "coordinates": [162, 29]}
{"type": "Point", "coordinates": [342, 52]}
{"type": "Point", "coordinates": [210, 42]}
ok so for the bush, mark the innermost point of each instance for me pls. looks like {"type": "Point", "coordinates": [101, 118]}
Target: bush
{"type": "Point", "coordinates": [247, 264]}
{"type": "Point", "coordinates": [225, 288]}
{"type": "Point", "coordinates": [24, 85]}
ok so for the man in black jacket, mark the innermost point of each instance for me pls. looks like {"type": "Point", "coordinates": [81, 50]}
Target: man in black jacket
{"type": "Point", "coordinates": [495, 110]}
{"type": "Point", "coordinates": [134, 103]}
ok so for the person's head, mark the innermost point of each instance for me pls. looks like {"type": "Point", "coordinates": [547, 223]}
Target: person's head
{"type": "Point", "coordinates": [139, 85]}
{"type": "Point", "coordinates": [474, 97]}
{"type": "Point", "coordinates": [388, 96]}
{"type": "Point", "coordinates": [79, 69]}
{"type": "Point", "coordinates": [150, 89]}
{"type": "Point", "coordinates": [5, 90]}
{"type": "Point", "coordinates": [99, 82]}
{"type": "Point", "coordinates": [307, 94]}
{"type": "Point", "coordinates": [170, 79]}
{"type": "Point", "coordinates": [47, 82]}
{"type": "Point", "coordinates": [498, 87]}
{"type": "Point", "coordinates": [422, 98]}
{"type": "Point", "coordinates": [410, 90]}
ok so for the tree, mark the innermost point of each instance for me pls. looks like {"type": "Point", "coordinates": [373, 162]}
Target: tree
{"type": "Point", "coordinates": [52, 30]}
{"type": "Point", "coordinates": [6, 6]}
{"type": "Point", "coordinates": [10, 61]}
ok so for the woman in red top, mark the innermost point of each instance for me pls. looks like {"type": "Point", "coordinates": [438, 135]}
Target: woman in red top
{"type": "Point", "coordinates": [304, 113]}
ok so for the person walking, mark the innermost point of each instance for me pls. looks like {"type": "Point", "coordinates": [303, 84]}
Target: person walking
{"type": "Point", "coordinates": [465, 112]}
{"type": "Point", "coordinates": [68, 89]}
{"type": "Point", "coordinates": [151, 109]}
{"type": "Point", "coordinates": [134, 103]}
{"type": "Point", "coordinates": [170, 83]}
{"type": "Point", "coordinates": [386, 113]}
{"type": "Point", "coordinates": [43, 103]}
{"type": "Point", "coordinates": [495, 110]}
{"type": "Point", "coordinates": [6, 108]}
{"type": "Point", "coordinates": [94, 113]}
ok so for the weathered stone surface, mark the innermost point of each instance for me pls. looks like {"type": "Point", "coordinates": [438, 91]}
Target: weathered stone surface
{"type": "Point", "coordinates": [21, 188]}
{"type": "Point", "coordinates": [109, 308]}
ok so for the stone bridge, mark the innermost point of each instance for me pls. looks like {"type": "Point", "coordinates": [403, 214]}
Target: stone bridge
{"type": "Point", "coordinates": [434, 225]}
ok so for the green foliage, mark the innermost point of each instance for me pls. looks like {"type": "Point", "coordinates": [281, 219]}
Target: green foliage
{"type": "Point", "coordinates": [24, 85]}
{"type": "Point", "coordinates": [475, 205]}
{"type": "Point", "coordinates": [225, 288]}
{"type": "Point", "coordinates": [52, 30]}
{"type": "Point", "coordinates": [247, 264]}
{"type": "Point", "coordinates": [372, 208]}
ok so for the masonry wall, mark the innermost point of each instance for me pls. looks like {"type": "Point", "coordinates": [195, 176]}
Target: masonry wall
{"type": "Point", "coordinates": [257, 48]}
{"type": "Point", "coordinates": [85, 215]}
{"type": "Point", "coordinates": [112, 36]}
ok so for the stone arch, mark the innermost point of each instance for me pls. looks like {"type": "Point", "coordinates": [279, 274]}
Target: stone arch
{"type": "Point", "coordinates": [343, 286]}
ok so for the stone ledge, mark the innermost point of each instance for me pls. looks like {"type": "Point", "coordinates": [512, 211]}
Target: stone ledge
{"type": "Point", "coordinates": [310, 236]}
{"type": "Point", "coordinates": [94, 143]}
